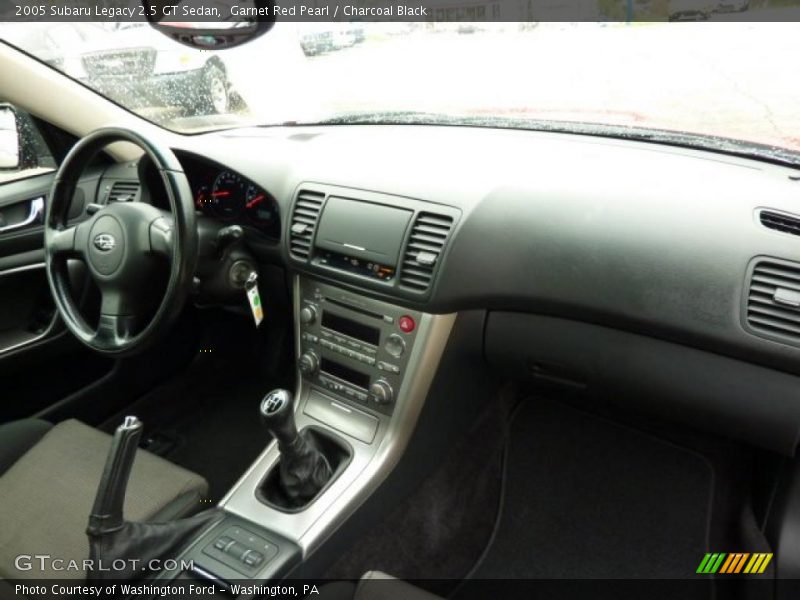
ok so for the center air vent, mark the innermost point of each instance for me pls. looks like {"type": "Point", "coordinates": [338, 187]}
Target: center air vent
{"type": "Point", "coordinates": [773, 300]}
{"type": "Point", "coordinates": [123, 191]}
{"type": "Point", "coordinates": [780, 222]}
{"type": "Point", "coordinates": [304, 221]}
{"type": "Point", "coordinates": [423, 251]}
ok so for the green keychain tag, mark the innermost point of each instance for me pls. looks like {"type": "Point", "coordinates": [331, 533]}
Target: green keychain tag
{"type": "Point", "coordinates": [254, 298]}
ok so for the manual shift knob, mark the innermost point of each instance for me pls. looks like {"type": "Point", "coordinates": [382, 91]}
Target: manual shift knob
{"type": "Point", "coordinates": [277, 412]}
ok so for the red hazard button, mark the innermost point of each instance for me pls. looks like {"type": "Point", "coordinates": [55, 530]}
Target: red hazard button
{"type": "Point", "coordinates": [406, 324]}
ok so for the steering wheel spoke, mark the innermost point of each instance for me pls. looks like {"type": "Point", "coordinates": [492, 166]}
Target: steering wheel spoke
{"type": "Point", "coordinates": [69, 241]}
{"type": "Point", "coordinates": [162, 240]}
{"type": "Point", "coordinates": [114, 330]}
{"type": "Point", "coordinates": [113, 327]}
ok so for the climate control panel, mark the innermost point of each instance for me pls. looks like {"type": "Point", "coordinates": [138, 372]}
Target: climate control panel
{"type": "Point", "coordinates": [353, 347]}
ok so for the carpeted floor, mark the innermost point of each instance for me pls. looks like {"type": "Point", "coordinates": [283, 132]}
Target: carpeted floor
{"type": "Point", "coordinates": [580, 497]}
{"type": "Point", "coordinates": [587, 498]}
{"type": "Point", "coordinates": [206, 420]}
{"type": "Point", "coordinates": [441, 529]}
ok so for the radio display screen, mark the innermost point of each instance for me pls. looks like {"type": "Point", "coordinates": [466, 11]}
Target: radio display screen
{"type": "Point", "coordinates": [365, 333]}
{"type": "Point", "coordinates": [345, 373]}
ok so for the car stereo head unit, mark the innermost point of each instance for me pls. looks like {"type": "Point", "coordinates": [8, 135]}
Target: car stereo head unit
{"type": "Point", "coordinates": [354, 347]}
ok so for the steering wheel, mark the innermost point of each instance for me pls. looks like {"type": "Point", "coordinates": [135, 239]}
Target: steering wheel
{"type": "Point", "coordinates": [121, 244]}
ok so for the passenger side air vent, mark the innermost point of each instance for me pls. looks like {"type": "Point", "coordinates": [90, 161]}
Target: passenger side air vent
{"type": "Point", "coordinates": [780, 222]}
{"type": "Point", "coordinates": [773, 300]}
{"type": "Point", "coordinates": [123, 191]}
{"type": "Point", "coordinates": [424, 249]}
{"type": "Point", "coordinates": [304, 221]}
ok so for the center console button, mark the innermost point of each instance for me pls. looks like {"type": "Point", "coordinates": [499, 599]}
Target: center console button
{"type": "Point", "coordinates": [308, 363]}
{"type": "Point", "coordinates": [223, 543]}
{"type": "Point", "coordinates": [308, 315]}
{"type": "Point", "coordinates": [395, 345]}
{"type": "Point", "coordinates": [406, 324]}
{"type": "Point", "coordinates": [382, 392]}
{"type": "Point", "coordinates": [253, 558]}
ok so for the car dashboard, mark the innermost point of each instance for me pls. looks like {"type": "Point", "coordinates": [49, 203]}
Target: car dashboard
{"type": "Point", "coordinates": [221, 193]}
{"type": "Point", "coordinates": [567, 243]}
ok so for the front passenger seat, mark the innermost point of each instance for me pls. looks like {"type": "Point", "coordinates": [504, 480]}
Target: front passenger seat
{"type": "Point", "coordinates": [374, 585]}
{"type": "Point", "coordinates": [48, 480]}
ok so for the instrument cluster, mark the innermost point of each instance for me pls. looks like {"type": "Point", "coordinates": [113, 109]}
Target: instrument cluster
{"type": "Point", "coordinates": [228, 196]}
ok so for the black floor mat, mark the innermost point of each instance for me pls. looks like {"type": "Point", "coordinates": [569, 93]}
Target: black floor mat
{"type": "Point", "coordinates": [205, 420]}
{"type": "Point", "coordinates": [587, 498]}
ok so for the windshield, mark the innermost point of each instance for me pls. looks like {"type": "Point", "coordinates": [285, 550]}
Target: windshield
{"type": "Point", "coordinates": [731, 80]}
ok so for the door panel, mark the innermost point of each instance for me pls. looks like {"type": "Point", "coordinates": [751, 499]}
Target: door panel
{"type": "Point", "coordinates": [40, 362]}
{"type": "Point", "coordinates": [26, 309]}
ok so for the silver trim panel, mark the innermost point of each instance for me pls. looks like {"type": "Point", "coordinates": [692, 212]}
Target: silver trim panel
{"type": "Point", "coordinates": [370, 463]}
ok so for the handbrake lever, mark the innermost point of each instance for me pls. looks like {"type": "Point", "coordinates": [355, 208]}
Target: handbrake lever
{"type": "Point", "coordinates": [111, 537]}
{"type": "Point", "coordinates": [106, 515]}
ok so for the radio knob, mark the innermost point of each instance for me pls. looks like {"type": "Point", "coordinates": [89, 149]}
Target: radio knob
{"type": "Point", "coordinates": [308, 315]}
{"type": "Point", "coordinates": [395, 345]}
{"type": "Point", "coordinates": [308, 363]}
{"type": "Point", "coordinates": [382, 392]}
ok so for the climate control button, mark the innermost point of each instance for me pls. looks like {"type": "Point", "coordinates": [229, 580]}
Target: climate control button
{"type": "Point", "coordinates": [381, 392]}
{"type": "Point", "coordinates": [308, 363]}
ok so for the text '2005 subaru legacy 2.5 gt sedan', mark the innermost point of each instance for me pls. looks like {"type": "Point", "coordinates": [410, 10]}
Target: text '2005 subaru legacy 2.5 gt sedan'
{"type": "Point", "coordinates": [483, 305]}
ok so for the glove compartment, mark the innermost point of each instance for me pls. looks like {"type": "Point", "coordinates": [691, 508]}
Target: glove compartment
{"type": "Point", "coordinates": [730, 397]}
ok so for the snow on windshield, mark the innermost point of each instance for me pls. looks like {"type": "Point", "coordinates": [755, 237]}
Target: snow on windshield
{"type": "Point", "coordinates": [725, 79]}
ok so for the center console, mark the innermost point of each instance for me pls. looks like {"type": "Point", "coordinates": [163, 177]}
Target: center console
{"type": "Point", "coordinates": [364, 367]}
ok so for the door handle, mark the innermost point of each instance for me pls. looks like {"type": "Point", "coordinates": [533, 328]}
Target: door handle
{"type": "Point", "coordinates": [35, 215]}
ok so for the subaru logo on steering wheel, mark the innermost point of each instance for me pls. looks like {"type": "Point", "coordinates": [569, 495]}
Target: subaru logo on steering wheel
{"type": "Point", "coordinates": [105, 242]}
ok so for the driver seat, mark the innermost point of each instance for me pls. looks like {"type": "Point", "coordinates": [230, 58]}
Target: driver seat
{"type": "Point", "coordinates": [49, 476]}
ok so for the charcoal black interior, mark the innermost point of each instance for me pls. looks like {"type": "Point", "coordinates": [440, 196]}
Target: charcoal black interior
{"type": "Point", "coordinates": [616, 395]}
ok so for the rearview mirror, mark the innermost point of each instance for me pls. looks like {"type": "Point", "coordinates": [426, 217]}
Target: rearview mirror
{"type": "Point", "coordinates": [9, 138]}
{"type": "Point", "coordinates": [217, 25]}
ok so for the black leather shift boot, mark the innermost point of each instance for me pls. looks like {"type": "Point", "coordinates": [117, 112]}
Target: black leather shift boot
{"type": "Point", "coordinates": [304, 469]}
{"type": "Point", "coordinates": [309, 464]}
{"type": "Point", "coordinates": [140, 543]}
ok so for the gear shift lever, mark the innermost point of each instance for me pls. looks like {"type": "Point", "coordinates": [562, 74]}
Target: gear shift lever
{"type": "Point", "coordinates": [304, 470]}
{"type": "Point", "coordinates": [277, 413]}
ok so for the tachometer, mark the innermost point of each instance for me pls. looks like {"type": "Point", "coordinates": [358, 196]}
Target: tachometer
{"type": "Point", "coordinates": [202, 198]}
{"type": "Point", "coordinates": [227, 194]}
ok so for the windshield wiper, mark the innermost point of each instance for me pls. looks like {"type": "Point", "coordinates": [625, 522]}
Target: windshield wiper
{"type": "Point", "coordinates": [634, 133]}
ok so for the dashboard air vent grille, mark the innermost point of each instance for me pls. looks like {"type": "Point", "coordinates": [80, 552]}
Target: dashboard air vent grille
{"type": "Point", "coordinates": [780, 222]}
{"type": "Point", "coordinates": [773, 301]}
{"type": "Point", "coordinates": [304, 221]}
{"type": "Point", "coordinates": [123, 191]}
{"type": "Point", "coordinates": [425, 246]}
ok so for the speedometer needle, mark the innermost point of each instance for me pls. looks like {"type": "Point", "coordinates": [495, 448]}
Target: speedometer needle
{"type": "Point", "coordinates": [218, 194]}
{"type": "Point", "coordinates": [255, 201]}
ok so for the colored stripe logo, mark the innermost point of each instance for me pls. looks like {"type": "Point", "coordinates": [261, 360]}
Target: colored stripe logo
{"type": "Point", "coordinates": [734, 562]}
